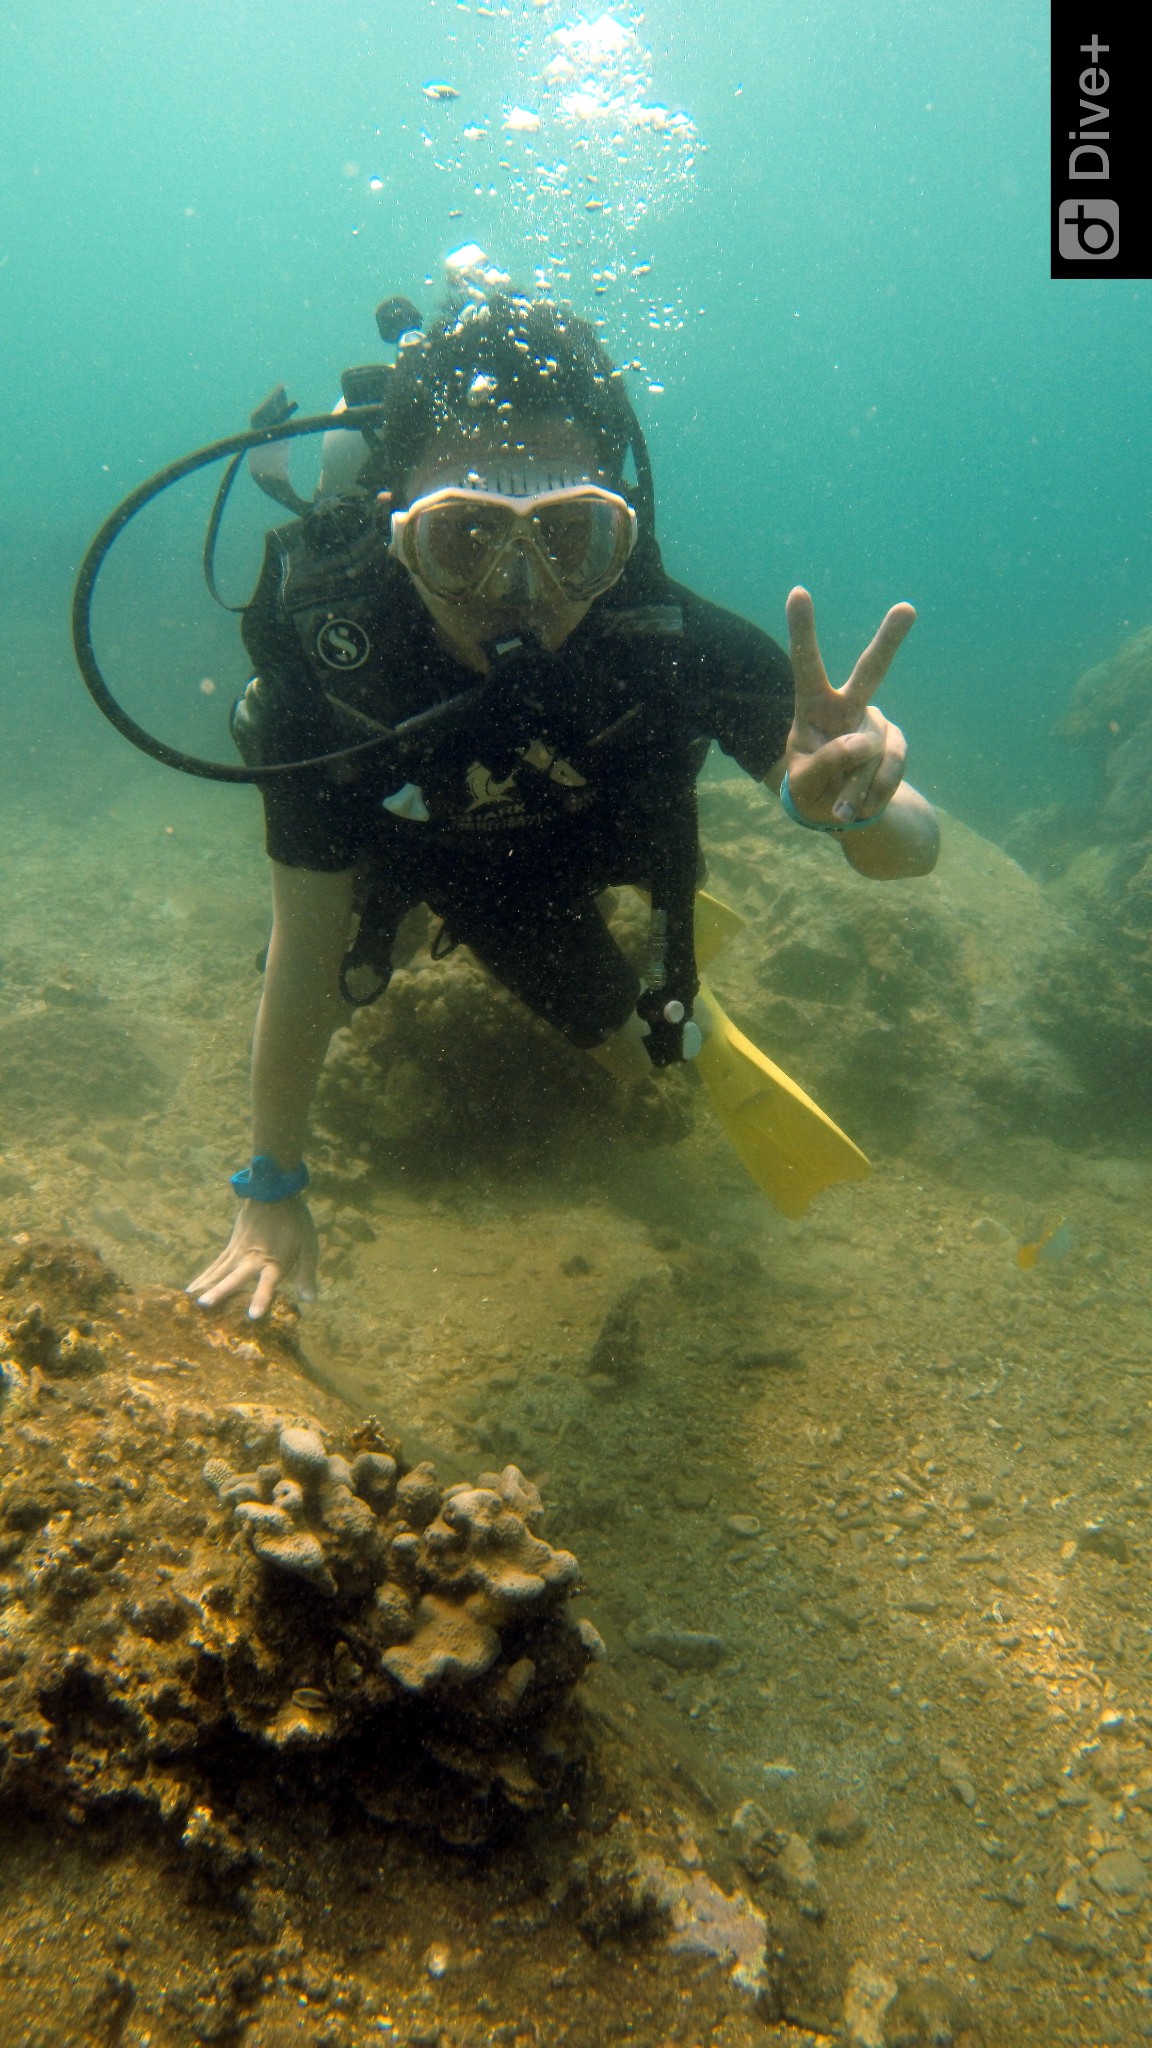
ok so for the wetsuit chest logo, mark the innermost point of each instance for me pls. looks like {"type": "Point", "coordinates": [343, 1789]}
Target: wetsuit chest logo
{"type": "Point", "coordinates": [485, 790]}
{"type": "Point", "coordinates": [483, 787]}
{"type": "Point", "coordinates": [342, 644]}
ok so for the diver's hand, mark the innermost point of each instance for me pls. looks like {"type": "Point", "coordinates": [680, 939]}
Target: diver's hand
{"type": "Point", "coordinates": [845, 760]}
{"type": "Point", "coordinates": [270, 1242]}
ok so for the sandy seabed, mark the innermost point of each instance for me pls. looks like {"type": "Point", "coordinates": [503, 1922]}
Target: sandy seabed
{"type": "Point", "coordinates": [904, 1483]}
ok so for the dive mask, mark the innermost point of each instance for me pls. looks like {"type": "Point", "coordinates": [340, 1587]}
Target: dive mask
{"type": "Point", "coordinates": [453, 538]}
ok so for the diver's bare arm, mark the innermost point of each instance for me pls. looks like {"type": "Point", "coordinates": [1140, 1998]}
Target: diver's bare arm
{"type": "Point", "coordinates": [300, 1006]}
{"type": "Point", "coordinates": [904, 840]}
{"type": "Point", "coordinates": [276, 1241]}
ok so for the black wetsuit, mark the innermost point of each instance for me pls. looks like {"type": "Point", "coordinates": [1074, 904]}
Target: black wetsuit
{"type": "Point", "coordinates": [572, 773]}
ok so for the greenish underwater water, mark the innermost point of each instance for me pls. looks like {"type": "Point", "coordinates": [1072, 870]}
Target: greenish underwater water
{"type": "Point", "coordinates": [869, 384]}
{"type": "Point", "coordinates": [855, 374]}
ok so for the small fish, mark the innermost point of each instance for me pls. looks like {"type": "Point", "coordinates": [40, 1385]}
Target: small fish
{"type": "Point", "coordinates": [1051, 1247]}
{"type": "Point", "coordinates": [436, 89]}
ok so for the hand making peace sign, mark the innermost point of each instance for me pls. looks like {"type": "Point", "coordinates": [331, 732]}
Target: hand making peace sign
{"type": "Point", "coordinates": [845, 760]}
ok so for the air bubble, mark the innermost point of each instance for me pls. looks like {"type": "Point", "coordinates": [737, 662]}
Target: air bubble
{"type": "Point", "coordinates": [582, 148]}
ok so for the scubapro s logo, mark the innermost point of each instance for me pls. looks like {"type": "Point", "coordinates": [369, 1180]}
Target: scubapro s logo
{"type": "Point", "coordinates": [341, 643]}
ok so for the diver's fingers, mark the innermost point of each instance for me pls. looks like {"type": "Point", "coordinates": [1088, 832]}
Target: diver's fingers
{"type": "Point", "coordinates": [890, 773]}
{"type": "Point", "coordinates": [266, 1287]}
{"type": "Point", "coordinates": [817, 780]}
{"type": "Point", "coordinates": [808, 673]}
{"type": "Point", "coordinates": [878, 656]}
{"type": "Point", "coordinates": [855, 797]}
{"type": "Point", "coordinates": [237, 1275]}
{"type": "Point", "coordinates": [211, 1273]}
{"type": "Point", "coordinates": [874, 781]}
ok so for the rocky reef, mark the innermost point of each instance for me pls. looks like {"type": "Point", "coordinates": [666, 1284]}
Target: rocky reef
{"type": "Point", "coordinates": [450, 1068]}
{"type": "Point", "coordinates": [182, 1577]}
{"type": "Point", "coordinates": [1109, 717]}
{"type": "Point", "coordinates": [1092, 993]}
{"type": "Point", "coordinates": [301, 1732]}
{"type": "Point", "coordinates": [908, 1011]}
{"type": "Point", "coordinates": [904, 1008]}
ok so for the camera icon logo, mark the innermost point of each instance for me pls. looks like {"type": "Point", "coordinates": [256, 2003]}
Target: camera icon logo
{"type": "Point", "coordinates": [1088, 230]}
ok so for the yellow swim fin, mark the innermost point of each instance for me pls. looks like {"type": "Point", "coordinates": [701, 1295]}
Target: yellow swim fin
{"type": "Point", "coordinates": [715, 923]}
{"type": "Point", "coordinates": [790, 1148]}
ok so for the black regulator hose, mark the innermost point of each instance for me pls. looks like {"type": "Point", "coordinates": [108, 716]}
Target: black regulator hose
{"type": "Point", "coordinates": [405, 738]}
{"type": "Point", "coordinates": [361, 418]}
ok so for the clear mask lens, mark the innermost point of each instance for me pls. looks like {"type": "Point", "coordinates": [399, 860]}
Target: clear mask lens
{"type": "Point", "coordinates": [581, 540]}
{"type": "Point", "coordinates": [457, 544]}
{"type": "Point", "coordinates": [454, 540]}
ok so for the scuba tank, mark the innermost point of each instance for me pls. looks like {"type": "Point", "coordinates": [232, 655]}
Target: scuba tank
{"type": "Point", "coordinates": [343, 456]}
{"type": "Point", "coordinates": [345, 450]}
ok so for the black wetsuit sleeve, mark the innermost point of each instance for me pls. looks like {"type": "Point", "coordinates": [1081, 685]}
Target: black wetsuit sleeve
{"type": "Point", "coordinates": [310, 819]}
{"type": "Point", "coordinates": [738, 684]}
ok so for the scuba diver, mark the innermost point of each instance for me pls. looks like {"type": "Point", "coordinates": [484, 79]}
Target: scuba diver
{"type": "Point", "coordinates": [479, 575]}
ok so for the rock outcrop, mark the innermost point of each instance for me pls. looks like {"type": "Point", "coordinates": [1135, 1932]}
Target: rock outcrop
{"type": "Point", "coordinates": [187, 1576]}
{"type": "Point", "coordinates": [909, 1009]}
{"type": "Point", "coordinates": [449, 1068]}
{"type": "Point", "coordinates": [236, 1627]}
{"type": "Point", "coordinates": [1092, 992]}
{"type": "Point", "coordinates": [905, 1008]}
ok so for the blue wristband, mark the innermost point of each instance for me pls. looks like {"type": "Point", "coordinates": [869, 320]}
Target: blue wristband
{"type": "Point", "coordinates": [828, 825]}
{"type": "Point", "coordinates": [264, 1182]}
